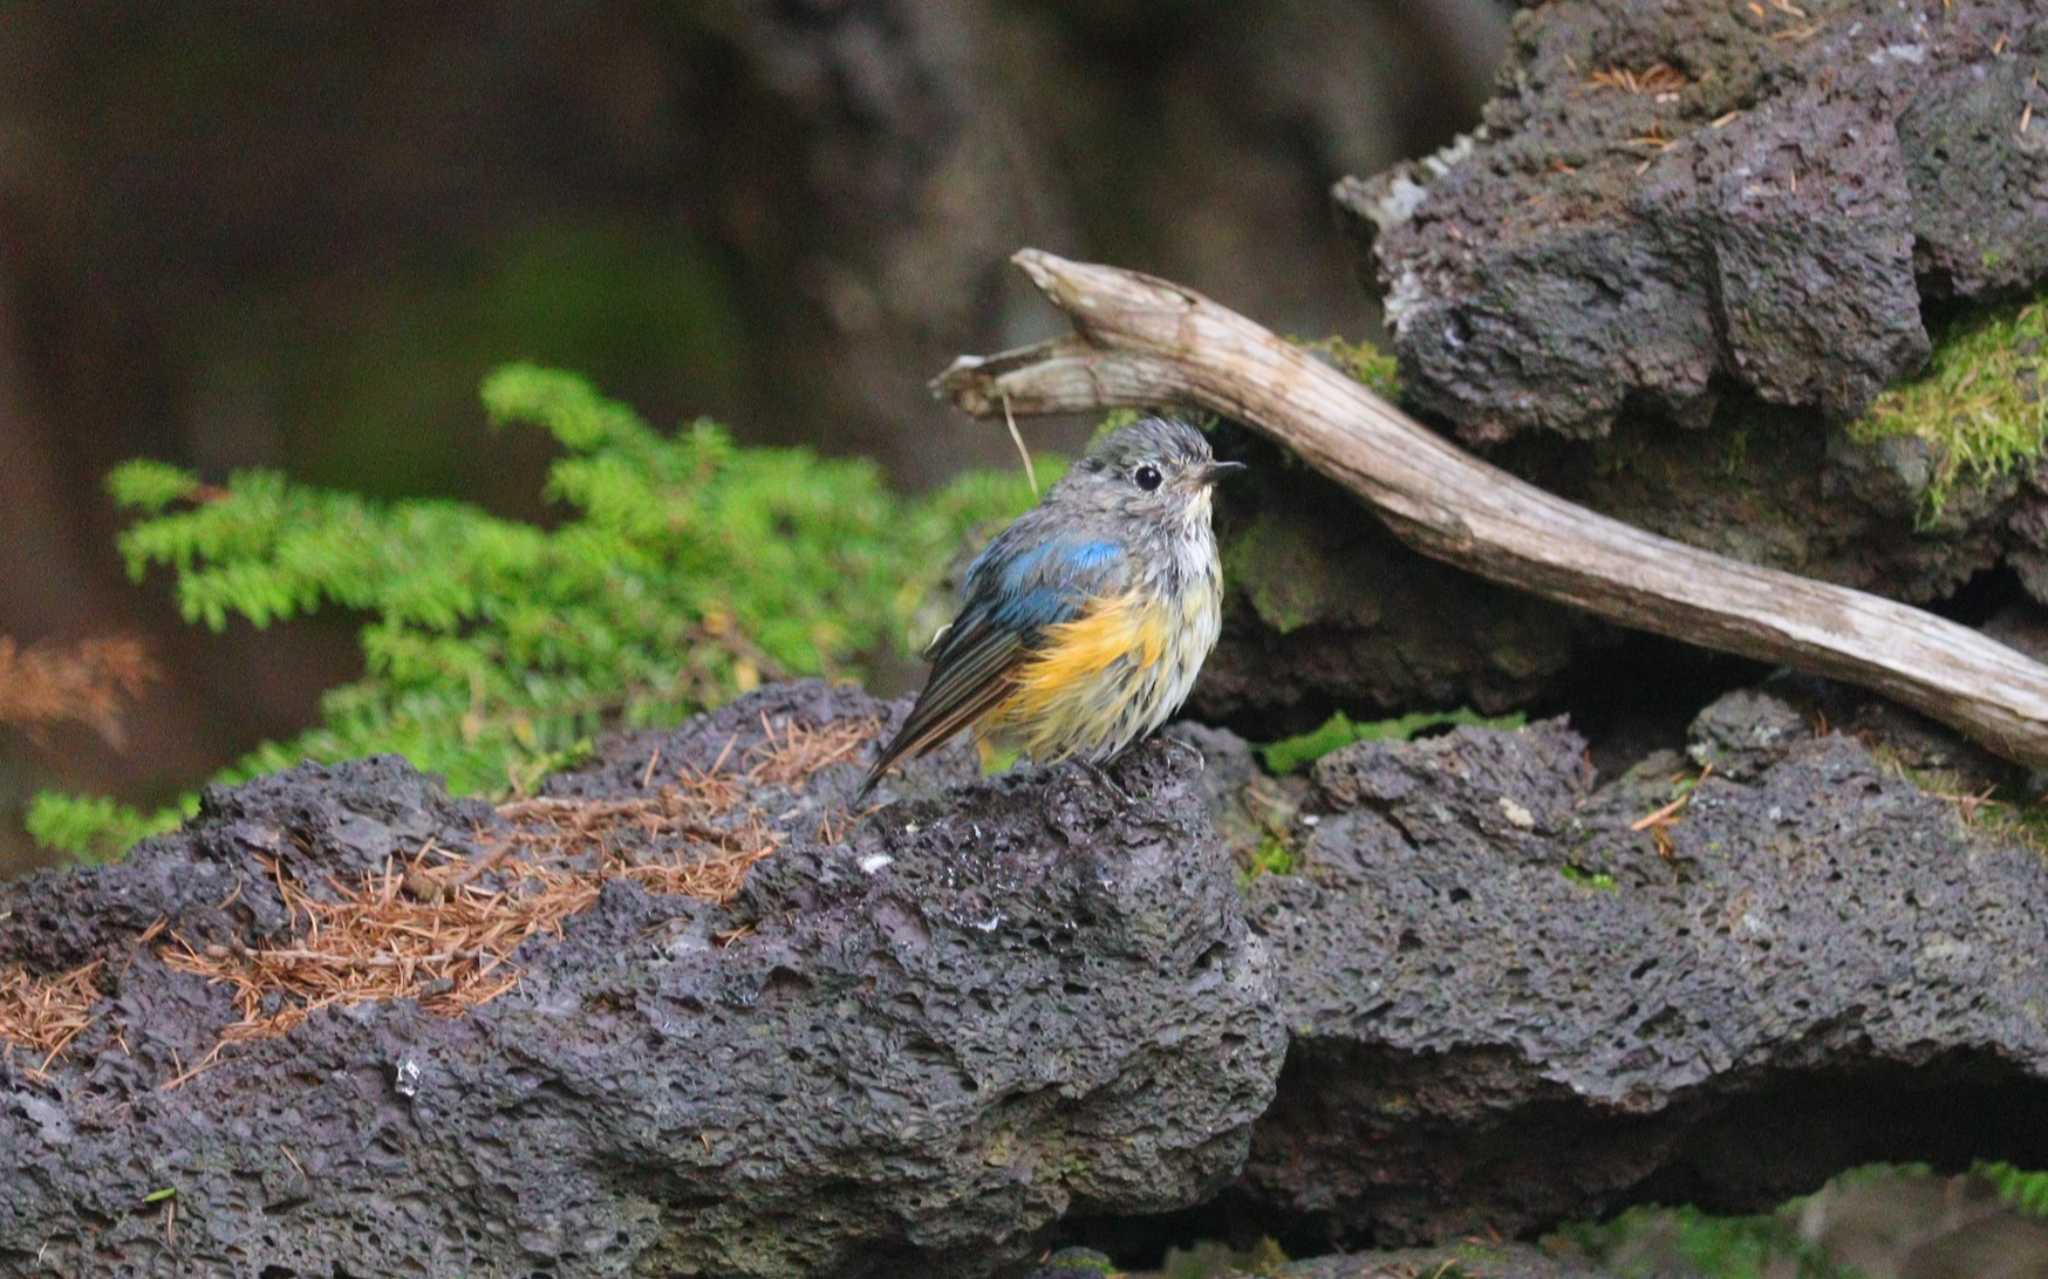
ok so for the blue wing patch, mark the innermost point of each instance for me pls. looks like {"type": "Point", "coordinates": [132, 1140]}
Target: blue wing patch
{"type": "Point", "coordinates": [1093, 554]}
{"type": "Point", "coordinates": [1060, 560]}
{"type": "Point", "coordinates": [1039, 606]}
{"type": "Point", "coordinates": [1044, 584]}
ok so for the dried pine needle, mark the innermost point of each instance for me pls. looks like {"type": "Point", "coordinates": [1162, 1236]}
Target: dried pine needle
{"type": "Point", "coordinates": [44, 1014]}
{"type": "Point", "coordinates": [417, 931]}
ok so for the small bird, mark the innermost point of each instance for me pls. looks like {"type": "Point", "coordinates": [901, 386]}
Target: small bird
{"type": "Point", "coordinates": [1087, 619]}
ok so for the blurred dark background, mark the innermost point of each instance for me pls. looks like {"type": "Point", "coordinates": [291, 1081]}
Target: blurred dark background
{"type": "Point", "coordinates": [296, 236]}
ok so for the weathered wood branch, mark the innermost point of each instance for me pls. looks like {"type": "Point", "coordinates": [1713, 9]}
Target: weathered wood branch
{"type": "Point", "coordinates": [1140, 340]}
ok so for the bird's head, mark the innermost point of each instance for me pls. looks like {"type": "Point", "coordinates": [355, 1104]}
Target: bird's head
{"type": "Point", "coordinates": [1156, 469]}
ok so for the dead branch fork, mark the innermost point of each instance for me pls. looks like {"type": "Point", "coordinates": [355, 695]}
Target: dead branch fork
{"type": "Point", "coordinates": [1140, 341]}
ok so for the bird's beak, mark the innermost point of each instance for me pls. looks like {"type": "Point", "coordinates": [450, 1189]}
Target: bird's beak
{"type": "Point", "coordinates": [1214, 471]}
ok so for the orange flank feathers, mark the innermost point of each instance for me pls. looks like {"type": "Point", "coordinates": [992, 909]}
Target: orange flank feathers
{"type": "Point", "coordinates": [1078, 675]}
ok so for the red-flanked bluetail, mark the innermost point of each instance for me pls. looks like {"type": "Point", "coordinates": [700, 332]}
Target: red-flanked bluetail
{"type": "Point", "coordinates": [1086, 621]}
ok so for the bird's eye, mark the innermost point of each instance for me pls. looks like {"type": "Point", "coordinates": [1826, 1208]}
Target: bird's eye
{"type": "Point", "coordinates": [1147, 477]}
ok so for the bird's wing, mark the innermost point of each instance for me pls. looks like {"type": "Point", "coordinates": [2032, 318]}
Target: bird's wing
{"type": "Point", "coordinates": [1012, 596]}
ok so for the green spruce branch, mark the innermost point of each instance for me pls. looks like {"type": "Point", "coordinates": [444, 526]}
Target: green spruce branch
{"type": "Point", "coordinates": [688, 570]}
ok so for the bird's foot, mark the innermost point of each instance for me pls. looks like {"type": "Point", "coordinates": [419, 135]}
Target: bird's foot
{"type": "Point", "coordinates": [1103, 779]}
{"type": "Point", "coordinates": [1201, 760]}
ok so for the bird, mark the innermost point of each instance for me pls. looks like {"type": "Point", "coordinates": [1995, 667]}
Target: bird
{"type": "Point", "coordinates": [1084, 623]}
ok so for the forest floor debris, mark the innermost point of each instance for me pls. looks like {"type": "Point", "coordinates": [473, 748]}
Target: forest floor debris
{"type": "Point", "coordinates": [44, 1014]}
{"type": "Point", "coordinates": [442, 928]}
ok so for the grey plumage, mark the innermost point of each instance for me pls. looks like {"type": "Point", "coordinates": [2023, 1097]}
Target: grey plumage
{"type": "Point", "coordinates": [1086, 620]}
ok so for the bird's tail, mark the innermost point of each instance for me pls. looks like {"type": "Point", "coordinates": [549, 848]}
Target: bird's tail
{"type": "Point", "coordinates": [868, 783]}
{"type": "Point", "coordinates": [925, 731]}
{"type": "Point", "coordinates": [900, 745]}
{"type": "Point", "coordinates": [890, 754]}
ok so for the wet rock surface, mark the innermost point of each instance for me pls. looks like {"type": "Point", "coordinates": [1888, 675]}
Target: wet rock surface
{"type": "Point", "coordinates": [918, 1041]}
{"type": "Point", "coordinates": [1668, 200]}
{"type": "Point", "coordinates": [1509, 1006]}
{"type": "Point", "coordinates": [906, 1046]}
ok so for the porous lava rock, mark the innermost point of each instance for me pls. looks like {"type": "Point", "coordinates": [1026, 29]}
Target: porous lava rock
{"type": "Point", "coordinates": [1669, 199]}
{"type": "Point", "coordinates": [1507, 995]}
{"type": "Point", "coordinates": [1516, 998]}
{"type": "Point", "coordinates": [912, 1040]}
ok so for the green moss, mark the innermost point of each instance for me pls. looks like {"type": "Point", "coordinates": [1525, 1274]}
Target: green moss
{"type": "Point", "coordinates": [96, 828]}
{"type": "Point", "coordinates": [1076, 1262]}
{"type": "Point", "coordinates": [1362, 361]}
{"type": "Point", "coordinates": [1864, 1174]}
{"type": "Point", "coordinates": [1599, 881]}
{"type": "Point", "coordinates": [1982, 403]}
{"type": "Point", "coordinates": [1735, 463]}
{"type": "Point", "coordinates": [1280, 565]}
{"type": "Point", "coordinates": [2021, 819]}
{"type": "Point", "coordinates": [1645, 1241]}
{"type": "Point", "coordinates": [1291, 754]}
{"type": "Point", "coordinates": [2007, 811]}
{"type": "Point", "coordinates": [686, 570]}
{"type": "Point", "coordinates": [2027, 1191]}
{"type": "Point", "coordinates": [1273, 856]}
{"type": "Point", "coordinates": [149, 487]}
{"type": "Point", "coordinates": [1212, 1260]}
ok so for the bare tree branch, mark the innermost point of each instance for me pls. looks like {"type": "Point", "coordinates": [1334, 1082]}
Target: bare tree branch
{"type": "Point", "coordinates": [1140, 340]}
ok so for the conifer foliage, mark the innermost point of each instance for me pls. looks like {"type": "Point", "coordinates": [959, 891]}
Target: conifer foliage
{"type": "Point", "coordinates": [687, 570]}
